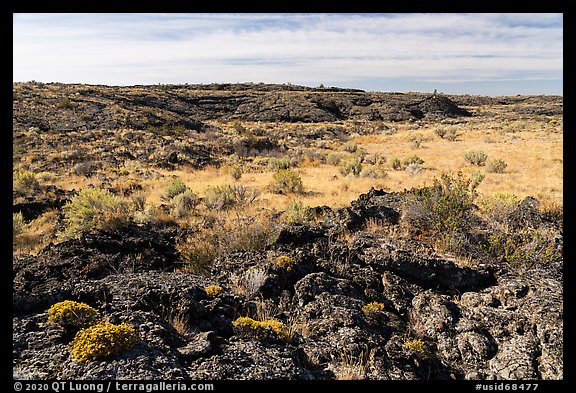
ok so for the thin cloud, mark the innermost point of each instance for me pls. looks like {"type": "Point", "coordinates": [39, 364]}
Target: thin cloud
{"type": "Point", "coordinates": [298, 48]}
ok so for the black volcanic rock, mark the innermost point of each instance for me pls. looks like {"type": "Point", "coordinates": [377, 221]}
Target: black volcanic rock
{"type": "Point", "coordinates": [70, 107]}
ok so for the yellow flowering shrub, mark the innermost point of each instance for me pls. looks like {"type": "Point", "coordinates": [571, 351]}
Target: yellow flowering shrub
{"type": "Point", "coordinates": [246, 322]}
{"type": "Point", "coordinates": [416, 346]}
{"type": "Point", "coordinates": [72, 315]}
{"type": "Point", "coordinates": [278, 327]}
{"type": "Point", "coordinates": [284, 262]}
{"type": "Point", "coordinates": [262, 328]}
{"type": "Point", "coordinates": [102, 340]}
{"type": "Point", "coordinates": [213, 290]}
{"type": "Point", "coordinates": [372, 308]}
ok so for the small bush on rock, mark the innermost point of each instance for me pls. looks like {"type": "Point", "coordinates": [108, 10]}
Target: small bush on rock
{"type": "Point", "coordinates": [284, 262]}
{"type": "Point", "coordinates": [372, 308]}
{"type": "Point", "coordinates": [297, 213]}
{"type": "Point", "coordinates": [416, 346]}
{"type": "Point", "coordinates": [445, 207]}
{"type": "Point", "coordinates": [72, 315]}
{"type": "Point", "coordinates": [265, 329]}
{"type": "Point", "coordinates": [249, 283]}
{"type": "Point", "coordinates": [102, 340]}
{"type": "Point", "coordinates": [525, 249]}
{"type": "Point", "coordinates": [213, 290]}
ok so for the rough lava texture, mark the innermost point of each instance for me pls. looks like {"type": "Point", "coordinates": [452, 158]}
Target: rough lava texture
{"type": "Point", "coordinates": [474, 322]}
{"type": "Point", "coordinates": [440, 318]}
{"type": "Point", "coordinates": [71, 107]}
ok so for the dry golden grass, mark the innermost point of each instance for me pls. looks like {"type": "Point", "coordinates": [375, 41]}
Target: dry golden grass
{"type": "Point", "coordinates": [36, 234]}
{"type": "Point", "coordinates": [354, 368]}
{"type": "Point", "coordinates": [534, 159]}
{"type": "Point", "coordinates": [532, 149]}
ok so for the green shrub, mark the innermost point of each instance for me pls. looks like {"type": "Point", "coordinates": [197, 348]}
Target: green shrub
{"type": "Point", "coordinates": [175, 187]}
{"type": "Point", "coordinates": [497, 209]}
{"type": "Point", "coordinates": [414, 168]}
{"type": "Point", "coordinates": [496, 165]}
{"type": "Point", "coordinates": [18, 224]}
{"type": "Point", "coordinates": [476, 157]}
{"type": "Point", "coordinates": [286, 181]}
{"type": "Point", "coordinates": [525, 249]}
{"type": "Point", "coordinates": [350, 147]}
{"type": "Point", "coordinates": [220, 197]}
{"type": "Point", "coordinates": [446, 207]}
{"type": "Point", "coordinates": [23, 180]}
{"type": "Point", "coordinates": [476, 178]}
{"type": "Point", "coordinates": [184, 203]}
{"type": "Point", "coordinates": [138, 200]}
{"type": "Point", "coordinates": [396, 164]}
{"type": "Point", "coordinates": [446, 133]}
{"type": "Point", "coordinates": [354, 168]}
{"type": "Point", "coordinates": [359, 154]}
{"type": "Point", "coordinates": [198, 252]}
{"type": "Point", "coordinates": [235, 171]}
{"type": "Point", "coordinates": [297, 213]}
{"type": "Point", "coordinates": [333, 158]}
{"type": "Point", "coordinates": [102, 340]}
{"type": "Point", "coordinates": [72, 315]}
{"type": "Point", "coordinates": [375, 171]}
{"type": "Point", "coordinates": [93, 208]}
{"type": "Point", "coordinates": [227, 233]}
{"type": "Point", "coordinates": [277, 164]}
{"type": "Point", "coordinates": [227, 196]}
{"type": "Point", "coordinates": [440, 132]}
{"type": "Point", "coordinates": [153, 214]}
{"type": "Point", "coordinates": [416, 141]}
{"type": "Point", "coordinates": [247, 233]}
{"type": "Point", "coordinates": [374, 159]}
{"type": "Point", "coordinates": [413, 159]}
{"type": "Point", "coordinates": [450, 135]}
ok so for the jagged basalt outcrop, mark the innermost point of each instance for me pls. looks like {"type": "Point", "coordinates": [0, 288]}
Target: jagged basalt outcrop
{"type": "Point", "coordinates": [434, 319]}
{"type": "Point", "coordinates": [63, 107]}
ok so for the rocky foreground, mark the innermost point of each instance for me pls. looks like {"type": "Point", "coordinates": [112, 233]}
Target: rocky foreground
{"type": "Point", "coordinates": [441, 318]}
{"type": "Point", "coordinates": [358, 301]}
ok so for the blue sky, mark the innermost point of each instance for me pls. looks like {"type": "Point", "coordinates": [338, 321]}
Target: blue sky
{"type": "Point", "coordinates": [484, 54]}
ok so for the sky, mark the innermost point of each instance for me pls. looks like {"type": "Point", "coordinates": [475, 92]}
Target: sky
{"type": "Point", "coordinates": [480, 54]}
